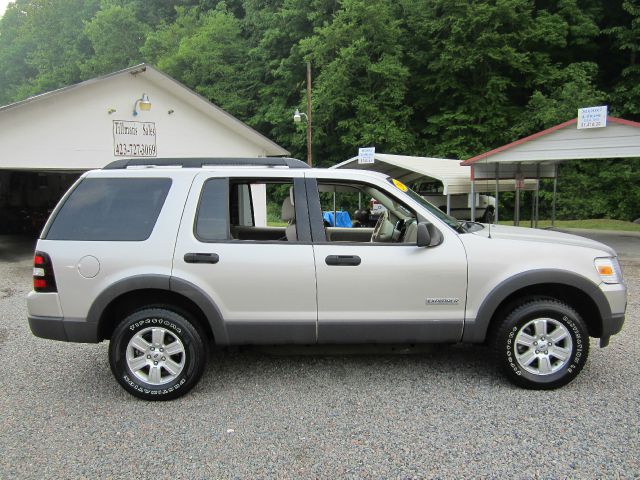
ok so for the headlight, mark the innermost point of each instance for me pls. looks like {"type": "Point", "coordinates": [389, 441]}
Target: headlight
{"type": "Point", "coordinates": [609, 269]}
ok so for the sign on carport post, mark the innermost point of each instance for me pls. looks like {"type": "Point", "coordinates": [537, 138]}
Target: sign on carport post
{"type": "Point", "coordinates": [366, 155]}
{"type": "Point", "coordinates": [592, 117]}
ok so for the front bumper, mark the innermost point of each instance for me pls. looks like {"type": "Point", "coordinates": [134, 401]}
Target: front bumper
{"type": "Point", "coordinates": [58, 328]}
{"type": "Point", "coordinates": [616, 296]}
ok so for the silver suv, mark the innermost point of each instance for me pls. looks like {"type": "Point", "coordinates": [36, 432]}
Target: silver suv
{"type": "Point", "coordinates": [167, 257]}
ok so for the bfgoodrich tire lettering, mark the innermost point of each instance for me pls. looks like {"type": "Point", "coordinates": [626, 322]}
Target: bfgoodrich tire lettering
{"type": "Point", "coordinates": [542, 344]}
{"type": "Point", "coordinates": [157, 354]}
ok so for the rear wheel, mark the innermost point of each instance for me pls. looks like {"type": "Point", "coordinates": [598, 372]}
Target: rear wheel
{"type": "Point", "coordinates": [542, 344]}
{"type": "Point", "coordinates": [157, 354]}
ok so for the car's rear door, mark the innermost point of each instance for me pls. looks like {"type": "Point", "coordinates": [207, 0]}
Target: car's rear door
{"type": "Point", "coordinates": [265, 290]}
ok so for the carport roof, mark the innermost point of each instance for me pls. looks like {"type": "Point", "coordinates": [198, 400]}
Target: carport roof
{"type": "Point", "coordinates": [619, 139]}
{"type": "Point", "coordinates": [455, 178]}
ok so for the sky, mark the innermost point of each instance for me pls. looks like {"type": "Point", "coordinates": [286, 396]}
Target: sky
{"type": "Point", "coordinates": [3, 6]}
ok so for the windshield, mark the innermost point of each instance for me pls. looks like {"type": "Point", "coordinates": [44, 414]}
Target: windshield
{"type": "Point", "coordinates": [453, 222]}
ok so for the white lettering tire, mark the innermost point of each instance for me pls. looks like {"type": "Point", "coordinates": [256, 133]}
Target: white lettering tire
{"type": "Point", "coordinates": [157, 354]}
{"type": "Point", "coordinates": [542, 344]}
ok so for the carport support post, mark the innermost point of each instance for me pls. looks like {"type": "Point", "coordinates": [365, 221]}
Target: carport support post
{"type": "Point", "coordinates": [335, 215]}
{"type": "Point", "coordinates": [537, 210]}
{"type": "Point", "coordinates": [495, 216]}
{"type": "Point", "coordinates": [516, 213]}
{"type": "Point", "coordinates": [555, 190]}
{"type": "Point", "coordinates": [448, 204]}
{"type": "Point", "coordinates": [473, 195]}
{"type": "Point", "coordinates": [533, 208]}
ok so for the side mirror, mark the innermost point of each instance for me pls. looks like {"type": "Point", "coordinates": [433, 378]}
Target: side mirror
{"type": "Point", "coordinates": [428, 235]}
{"type": "Point", "coordinates": [423, 237]}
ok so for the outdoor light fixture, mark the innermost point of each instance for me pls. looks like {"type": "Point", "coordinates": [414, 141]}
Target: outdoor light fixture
{"type": "Point", "coordinates": [143, 102]}
{"type": "Point", "coordinates": [297, 116]}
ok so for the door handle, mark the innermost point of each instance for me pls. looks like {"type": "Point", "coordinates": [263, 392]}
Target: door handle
{"type": "Point", "coordinates": [351, 260]}
{"type": "Point", "coordinates": [201, 258]}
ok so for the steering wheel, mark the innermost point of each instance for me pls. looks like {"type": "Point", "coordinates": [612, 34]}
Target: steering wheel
{"type": "Point", "coordinates": [379, 230]}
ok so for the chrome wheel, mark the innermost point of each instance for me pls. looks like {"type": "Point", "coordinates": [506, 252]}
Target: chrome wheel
{"type": "Point", "coordinates": [155, 355]}
{"type": "Point", "coordinates": [543, 346]}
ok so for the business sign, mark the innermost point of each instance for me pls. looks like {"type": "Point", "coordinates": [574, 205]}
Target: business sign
{"type": "Point", "coordinates": [366, 155]}
{"type": "Point", "coordinates": [134, 139]}
{"type": "Point", "coordinates": [592, 117]}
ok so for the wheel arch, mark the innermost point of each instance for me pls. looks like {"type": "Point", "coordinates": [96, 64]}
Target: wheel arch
{"type": "Point", "coordinates": [577, 291]}
{"type": "Point", "coordinates": [137, 292]}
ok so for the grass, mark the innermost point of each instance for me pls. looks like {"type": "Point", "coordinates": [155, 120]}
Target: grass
{"type": "Point", "coordinates": [591, 224]}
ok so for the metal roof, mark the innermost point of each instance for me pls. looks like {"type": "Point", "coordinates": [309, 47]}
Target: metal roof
{"type": "Point", "coordinates": [619, 139]}
{"type": "Point", "coordinates": [455, 178]}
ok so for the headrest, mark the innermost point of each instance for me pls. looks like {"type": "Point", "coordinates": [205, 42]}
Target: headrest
{"type": "Point", "coordinates": [288, 210]}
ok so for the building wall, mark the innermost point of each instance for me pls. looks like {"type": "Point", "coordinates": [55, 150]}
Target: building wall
{"type": "Point", "coordinates": [73, 130]}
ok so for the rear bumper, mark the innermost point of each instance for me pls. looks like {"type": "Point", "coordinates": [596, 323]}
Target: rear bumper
{"type": "Point", "coordinates": [57, 328]}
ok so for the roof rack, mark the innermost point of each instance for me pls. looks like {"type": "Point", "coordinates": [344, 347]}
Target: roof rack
{"type": "Point", "coordinates": [205, 162]}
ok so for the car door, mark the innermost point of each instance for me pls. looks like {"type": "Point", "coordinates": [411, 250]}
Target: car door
{"type": "Point", "coordinates": [387, 292]}
{"type": "Point", "coordinates": [264, 289]}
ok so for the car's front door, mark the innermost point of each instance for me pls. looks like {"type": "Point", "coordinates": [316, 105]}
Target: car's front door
{"type": "Point", "coordinates": [387, 292]}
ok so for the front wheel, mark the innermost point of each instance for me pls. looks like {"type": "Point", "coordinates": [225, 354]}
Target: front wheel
{"type": "Point", "coordinates": [542, 344]}
{"type": "Point", "coordinates": [157, 354]}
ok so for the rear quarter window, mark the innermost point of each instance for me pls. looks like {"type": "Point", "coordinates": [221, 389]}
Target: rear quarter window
{"type": "Point", "coordinates": [110, 209]}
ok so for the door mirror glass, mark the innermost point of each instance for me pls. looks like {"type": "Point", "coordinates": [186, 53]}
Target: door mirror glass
{"type": "Point", "coordinates": [424, 237]}
{"type": "Point", "coordinates": [428, 235]}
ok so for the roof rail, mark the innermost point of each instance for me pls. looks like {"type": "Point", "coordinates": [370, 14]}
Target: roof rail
{"type": "Point", "coordinates": [204, 162]}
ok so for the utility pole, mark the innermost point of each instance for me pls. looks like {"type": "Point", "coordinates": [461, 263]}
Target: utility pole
{"type": "Point", "coordinates": [309, 155]}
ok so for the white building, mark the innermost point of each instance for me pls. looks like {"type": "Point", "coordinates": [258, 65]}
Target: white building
{"type": "Point", "coordinates": [46, 141]}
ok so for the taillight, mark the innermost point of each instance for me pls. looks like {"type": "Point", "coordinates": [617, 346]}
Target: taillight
{"type": "Point", "coordinates": [43, 278]}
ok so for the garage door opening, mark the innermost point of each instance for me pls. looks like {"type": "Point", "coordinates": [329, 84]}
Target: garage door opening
{"type": "Point", "coordinates": [27, 198]}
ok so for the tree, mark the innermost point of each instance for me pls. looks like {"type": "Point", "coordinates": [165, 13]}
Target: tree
{"type": "Point", "coordinates": [207, 53]}
{"type": "Point", "coordinates": [361, 88]}
{"type": "Point", "coordinates": [115, 35]}
{"type": "Point", "coordinates": [54, 43]}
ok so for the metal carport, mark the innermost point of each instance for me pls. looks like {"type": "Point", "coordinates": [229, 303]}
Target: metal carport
{"type": "Point", "coordinates": [537, 156]}
{"type": "Point", "coordinates": [455, 178]}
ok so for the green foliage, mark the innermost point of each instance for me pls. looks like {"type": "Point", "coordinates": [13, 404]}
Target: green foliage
{"type": "Point", "coordinates": [205, 51]}
{"type": "Point", "coordinates": [360, 91]}
{"type": "Point", "coordinates": [116, 36]}
{"type": "Point", "coordinates": [448, 78]}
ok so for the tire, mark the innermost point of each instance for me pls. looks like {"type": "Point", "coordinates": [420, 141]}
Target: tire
{"type": "Point", "coordinates": [157, 354]}
{"type": "Point", "coordinates": [543, 321]}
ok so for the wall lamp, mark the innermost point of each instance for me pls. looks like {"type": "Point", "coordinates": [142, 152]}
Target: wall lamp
{"type": "Point", "coordinates": [143, 102]}
{"type": "Point", "coordinates": [297, 116]}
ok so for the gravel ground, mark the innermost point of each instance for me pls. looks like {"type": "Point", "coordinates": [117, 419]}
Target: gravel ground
{"type": "Point", "coordinates": [279, 413]}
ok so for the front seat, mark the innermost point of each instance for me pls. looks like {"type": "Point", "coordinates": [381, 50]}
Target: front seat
{"type": "Point", "coordinates": [289, 215]}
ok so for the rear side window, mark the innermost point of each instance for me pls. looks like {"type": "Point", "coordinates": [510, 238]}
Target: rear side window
{"type": "Point", "coordinates": [213, 211]}
{"type": "Point", "coordinates": [103, 209]}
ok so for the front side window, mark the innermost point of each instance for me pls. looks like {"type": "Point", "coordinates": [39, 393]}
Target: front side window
{"type": "Point", "coordinates": [357, 212]}
{"type": "Point", "coordinates": [110, 209]}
